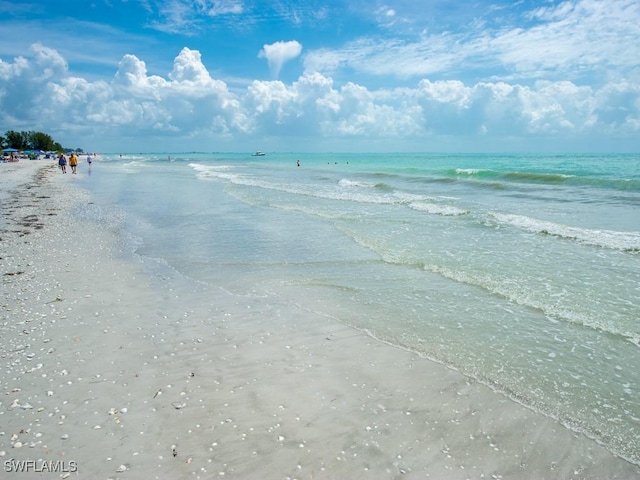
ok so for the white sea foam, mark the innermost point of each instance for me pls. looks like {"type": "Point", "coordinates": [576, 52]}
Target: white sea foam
{"type": "Point", "coordinates": [346, 190]}
{"type": "Point", "coordinates": [133, 166]}
{"type": "Point", "coordinates": [406, 197]}
{"type": "Point", "coordinates": [438, 209]}
{"type": "Point", "coordinates": [626, 241]}
{"type": "Point", "coordinates": [345, 182]}
{"type": "Point", "coordinates": [205, 168]}
{"type": "Point", "coordinates": [210, 171]}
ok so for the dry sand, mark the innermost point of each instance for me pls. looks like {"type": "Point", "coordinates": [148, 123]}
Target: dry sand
{"type": "Point", "coordinates": [107, 371]}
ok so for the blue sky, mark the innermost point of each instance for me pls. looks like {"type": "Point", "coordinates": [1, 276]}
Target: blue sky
{"type": "Point", "coordinates": [305, 75]}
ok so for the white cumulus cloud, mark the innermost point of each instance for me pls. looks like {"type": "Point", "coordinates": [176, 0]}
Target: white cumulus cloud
{"type": "Point", "coordinates": [189, 109]}
{"type": "Point", "coordinates": [278, 53]}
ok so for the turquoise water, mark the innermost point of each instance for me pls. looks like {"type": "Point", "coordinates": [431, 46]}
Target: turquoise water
{"type": "Point", "coordinates": [521, 271]}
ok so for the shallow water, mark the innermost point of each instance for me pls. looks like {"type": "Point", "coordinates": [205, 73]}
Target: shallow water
{"type": "Point", "coordinates": [520, 271]}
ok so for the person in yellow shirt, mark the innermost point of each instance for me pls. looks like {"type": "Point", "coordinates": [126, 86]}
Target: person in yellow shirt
{"type": "Point", "coordinates": [73, 163]}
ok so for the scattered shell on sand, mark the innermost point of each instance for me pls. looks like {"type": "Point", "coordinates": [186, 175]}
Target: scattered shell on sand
{"type": "Point", "coordinates": [121, 468]}
{"type": "Point", "coordinates": [178, 405]}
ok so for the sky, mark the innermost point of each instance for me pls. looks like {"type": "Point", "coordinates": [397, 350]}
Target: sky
{"type": "Point", "coordinates": [323, 76]}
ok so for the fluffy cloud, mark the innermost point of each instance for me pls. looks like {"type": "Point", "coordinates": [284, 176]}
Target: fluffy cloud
{"type": "Point", "coordinates": [24, 84]}
{"type": "Point", "coordinates": [188, 109]}
{"type": "Point", "coordinates": [277, 54]}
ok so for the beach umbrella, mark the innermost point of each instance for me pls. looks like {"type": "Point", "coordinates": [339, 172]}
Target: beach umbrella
{"type": "Point", "coordinates": [10, 150]}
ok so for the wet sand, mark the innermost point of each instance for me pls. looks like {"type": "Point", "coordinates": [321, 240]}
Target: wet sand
{"type": "Point", "coordinates": [109, 371]}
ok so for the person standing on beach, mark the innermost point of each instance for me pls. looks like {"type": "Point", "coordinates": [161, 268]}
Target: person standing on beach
{"type": "Point", "coordinates": [73, 163]}
{"type": "Point", "coordinates": [62, 161]}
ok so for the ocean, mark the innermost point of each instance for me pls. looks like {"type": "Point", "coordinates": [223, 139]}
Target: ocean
{"type": "Point", "coordinates": [520, 271]}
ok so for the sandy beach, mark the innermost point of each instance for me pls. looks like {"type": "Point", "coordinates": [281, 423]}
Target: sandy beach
{"type": "Point", "coordinates": [106, 373]}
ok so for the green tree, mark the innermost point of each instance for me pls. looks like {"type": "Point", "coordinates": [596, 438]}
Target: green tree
{"type": "Point", "coordinates": [16, 140]}
{"type": "Point", "coordinates": [30, 141]}
{"type": "Point", "coordinates": [41, 141]}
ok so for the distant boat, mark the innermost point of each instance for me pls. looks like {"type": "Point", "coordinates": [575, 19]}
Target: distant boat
{"type": "Point", "coordinates": [258, 154]}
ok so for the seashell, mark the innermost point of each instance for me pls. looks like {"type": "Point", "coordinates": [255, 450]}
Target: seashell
{"type": "Point", "coordinates": [178, 405]}
{"type": "Point", "coordinates": [121, 468]}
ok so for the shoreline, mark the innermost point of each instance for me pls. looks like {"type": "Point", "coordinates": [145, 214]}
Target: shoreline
{"type": "Point", "coordinates": [116, 370]}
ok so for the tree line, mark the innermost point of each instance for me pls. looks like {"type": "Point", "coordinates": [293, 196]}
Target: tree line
{"type": "Point", "coordinates": [31, 141]}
